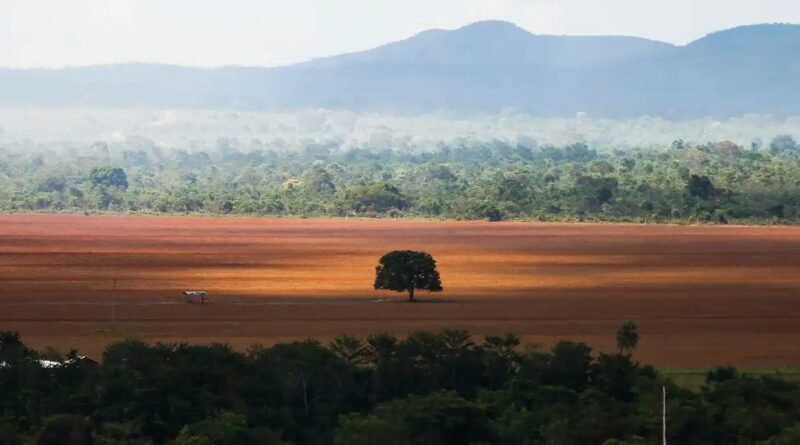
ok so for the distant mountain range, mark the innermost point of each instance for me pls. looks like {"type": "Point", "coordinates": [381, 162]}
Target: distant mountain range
{"type": "Point", "coordinates": [482, 67]}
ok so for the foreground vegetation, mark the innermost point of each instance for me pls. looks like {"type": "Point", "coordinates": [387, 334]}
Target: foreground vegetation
{"type": "Point", "coordinates": [716, 182]}
{"type": "Point", "coordinates": [424, 389]}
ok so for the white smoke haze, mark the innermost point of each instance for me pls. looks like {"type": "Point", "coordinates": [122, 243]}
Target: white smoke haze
{"type": "Point", "coordinates": [203, 130]}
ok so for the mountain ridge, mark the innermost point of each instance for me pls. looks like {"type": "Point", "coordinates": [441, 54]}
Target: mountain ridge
{"type": "Point", "coordinates": [484, 66]}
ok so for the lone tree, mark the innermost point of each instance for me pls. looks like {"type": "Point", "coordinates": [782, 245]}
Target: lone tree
{"type": "Point", "coordinates": [407, 271]}
{"type": "Point", "coordinates": [627, 337]}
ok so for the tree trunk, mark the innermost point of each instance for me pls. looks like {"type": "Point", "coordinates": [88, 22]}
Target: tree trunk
{"type": "Point", "coordinates": [411, 294]}
{"type": "Point", "coordinates": [305, 394]}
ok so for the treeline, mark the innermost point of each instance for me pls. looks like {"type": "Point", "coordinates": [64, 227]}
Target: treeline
{"type": "Point", "coordinates": [429, 389]}
{"type": "Point", "coordinates": [716, 182]}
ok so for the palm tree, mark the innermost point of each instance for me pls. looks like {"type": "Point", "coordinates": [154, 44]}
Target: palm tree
{"type": "Point", "coordinates": [350, 349]}
{"type": "Point", "coordinates": [627, 337]}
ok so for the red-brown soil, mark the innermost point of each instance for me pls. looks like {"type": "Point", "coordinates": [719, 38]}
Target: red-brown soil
{"type": "Point", "coordinates": [702, 295]}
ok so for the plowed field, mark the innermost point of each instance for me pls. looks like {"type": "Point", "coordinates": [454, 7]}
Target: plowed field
{"type": "Point", "coordinates": [702, 295]}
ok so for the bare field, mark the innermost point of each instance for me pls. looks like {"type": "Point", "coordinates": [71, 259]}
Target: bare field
{"type": "Point", "coordinates": [702, 295]}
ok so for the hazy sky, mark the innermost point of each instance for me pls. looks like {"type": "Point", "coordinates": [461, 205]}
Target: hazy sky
{"type": "Point", "coordinates": [275, 32]}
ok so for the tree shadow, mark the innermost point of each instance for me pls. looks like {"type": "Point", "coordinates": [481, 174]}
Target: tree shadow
{"type": "Point", "coordinates": [416, 301]}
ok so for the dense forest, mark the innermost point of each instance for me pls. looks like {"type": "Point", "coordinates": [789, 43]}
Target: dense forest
{"type": "Point", "coordinates": [715, 182]}
{"type": "Point", "coordinates": [428, 388]}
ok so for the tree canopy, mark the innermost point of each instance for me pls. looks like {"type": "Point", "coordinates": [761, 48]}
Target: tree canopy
{"type": "Point", "coordinates": [627, 337]}
{"type": "Point", "coordinates": [429, 388]}
{"type": "Point", "coordinates": [407, 271]}
{"type": "Point", "coordinates": [712, 182]}
{"type": "Point", "coordinates": [109, 177]}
